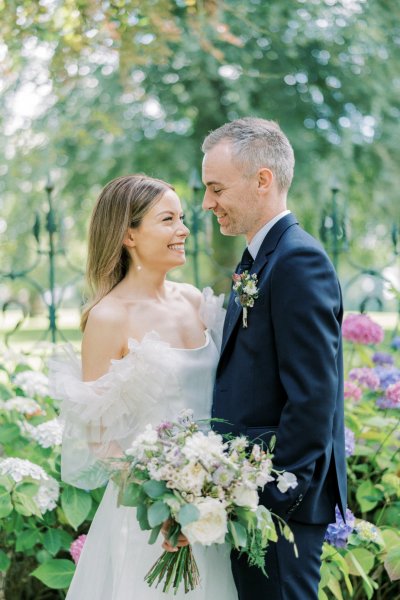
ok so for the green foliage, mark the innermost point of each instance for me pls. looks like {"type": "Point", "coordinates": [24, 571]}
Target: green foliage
{"type": "Point", "coordinates": [371, 560]}
{"type": "Point", "coordinates": [76, 505]}
{"type": "Point", "coordinates": [56, 573]}
{"type": "Point", "coordinates": [38, 542]}
{"type": "Point", "coordinates": [35, 540]}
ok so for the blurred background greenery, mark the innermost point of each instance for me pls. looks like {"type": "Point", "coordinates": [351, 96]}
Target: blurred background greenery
{"type": "Point", "coordinates": [94, 89]}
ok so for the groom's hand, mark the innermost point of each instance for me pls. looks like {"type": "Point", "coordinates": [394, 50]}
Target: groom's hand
{"type": "Point", "coordinates": [182, 540]}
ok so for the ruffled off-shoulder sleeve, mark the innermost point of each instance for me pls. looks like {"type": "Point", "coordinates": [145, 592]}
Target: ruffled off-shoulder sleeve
{"type": "Point", "coordinates": [102, 417]}
{"type": "Point", "coordinates": [212, 314]}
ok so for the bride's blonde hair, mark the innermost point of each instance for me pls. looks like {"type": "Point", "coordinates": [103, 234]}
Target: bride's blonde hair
{"type": "Point", "coordinates": [122, 203]}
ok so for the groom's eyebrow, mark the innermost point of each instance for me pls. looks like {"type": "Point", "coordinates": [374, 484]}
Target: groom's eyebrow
{"type": "Point", "coordinates": [207, 183]}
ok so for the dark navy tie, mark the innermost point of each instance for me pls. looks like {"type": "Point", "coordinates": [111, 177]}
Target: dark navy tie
{"type": "Point", "coordinates": [246, 263]}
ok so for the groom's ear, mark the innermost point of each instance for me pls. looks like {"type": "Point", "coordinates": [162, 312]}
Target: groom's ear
{"type": "Point", "coordinates": [129, 239]}
{"type": "Point", "coordinates": [265, 179]}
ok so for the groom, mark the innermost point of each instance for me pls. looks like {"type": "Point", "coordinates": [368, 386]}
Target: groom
{"type": "Point", "coordinates": [282, 374]}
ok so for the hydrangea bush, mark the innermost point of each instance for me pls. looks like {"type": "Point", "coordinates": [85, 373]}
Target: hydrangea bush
{"type": "Point", "coordinates": [43, 522]}
{"type": "Point", "coordinates": [361, 556]}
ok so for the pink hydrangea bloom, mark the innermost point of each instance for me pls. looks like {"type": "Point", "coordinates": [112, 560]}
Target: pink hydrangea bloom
{"type": "Point", "coordinates": [393, 395]}
{"type": "Point", "coordinates": [360, 329]}
{"type": "Point", "coordinates": [351, 390]}
{"type": "Point", "coordinates": [365, 376]}
{"type": "Point", "coordinates": [76, 547]}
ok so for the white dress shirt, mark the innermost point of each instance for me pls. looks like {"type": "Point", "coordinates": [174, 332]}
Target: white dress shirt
{"type": "Point", "coordinates": [258, 239]}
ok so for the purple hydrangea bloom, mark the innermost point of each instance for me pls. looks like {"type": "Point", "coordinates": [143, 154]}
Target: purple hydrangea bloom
{"type": "Point", "coordinates": [391, 398]}
{"type": "Point", "coordinates": [337, 533]}
{"type": "Point", "coordinates": [349, 441]}
{"type": "Point", "coordinates": [382, 358]}
{"type": "Point", "coordinates": [365, 376]}
{"type": "Point", "coordinates": [387, 375]}
{"type": "Point", "coordinates": [396, 342]}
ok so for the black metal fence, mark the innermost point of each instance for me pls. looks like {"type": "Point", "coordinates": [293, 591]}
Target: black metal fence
{"type": "Point", "coordinates": [206, 265]}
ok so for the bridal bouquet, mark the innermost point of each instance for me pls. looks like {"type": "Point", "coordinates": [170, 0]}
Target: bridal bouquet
{"type": "Point", "coordinates": [206, 488]}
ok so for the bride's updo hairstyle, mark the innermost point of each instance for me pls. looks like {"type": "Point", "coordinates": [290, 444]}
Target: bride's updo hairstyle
{"type": "Point", "coordinates": [122, 203]}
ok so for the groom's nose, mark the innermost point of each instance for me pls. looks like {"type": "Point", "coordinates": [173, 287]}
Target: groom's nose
{"type": "Point", "coordinates": [208, 202]}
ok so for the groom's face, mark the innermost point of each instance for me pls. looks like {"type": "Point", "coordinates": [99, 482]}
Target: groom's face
{"type": "Point", "coordinates": [230, 193]}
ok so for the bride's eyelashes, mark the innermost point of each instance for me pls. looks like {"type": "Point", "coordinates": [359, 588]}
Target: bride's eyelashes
{"type": "Point", "coordinates": [182, 218]}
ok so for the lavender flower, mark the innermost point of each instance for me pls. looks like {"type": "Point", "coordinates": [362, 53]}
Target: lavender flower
{"type": "Point", "coordinates": [337, 533]}
{"type": "Point", "coordinates": [366, 377]}
{"type": "Point", "coordinates": [382, 358]}
{"type": "Point", "coordinates": [349, 441]}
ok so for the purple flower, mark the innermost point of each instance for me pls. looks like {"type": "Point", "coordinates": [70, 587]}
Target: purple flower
{"type": "Point", "coordinates": [337, 533]}
{"type": "Point", "coordinates": [391, 398]}
{"type": "Point", "coordinates": [382, 358]}
{"type": "Point", "coordinates": [396, 342]}
{"type": "Point", "coordinates": [387, 375]}
{"type": "Point", "coordinates": [361, 329]}
{"type": "Point", "coordinates": [366, 377]}
{"type": "Point", "coordinates": [349, 441]}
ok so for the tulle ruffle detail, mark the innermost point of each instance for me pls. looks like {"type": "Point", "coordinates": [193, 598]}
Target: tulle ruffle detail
{"type": "Point", "coordinates": [102, 417]}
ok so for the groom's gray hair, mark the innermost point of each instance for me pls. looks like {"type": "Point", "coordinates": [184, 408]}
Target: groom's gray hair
{"type": "Point", "coordinates": [256, 143]}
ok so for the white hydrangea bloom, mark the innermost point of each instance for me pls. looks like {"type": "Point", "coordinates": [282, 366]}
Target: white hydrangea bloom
{"type": "Point", "coordinates": [33, 383]}
{"type": "Point", "coordinates": [48, 434]}
{"type": "Point", "coordinates": [204, 448]}
{"type": "Point", "coordinates": [18, 469]}
{"type": "Point", "coordinates": [23, 405]}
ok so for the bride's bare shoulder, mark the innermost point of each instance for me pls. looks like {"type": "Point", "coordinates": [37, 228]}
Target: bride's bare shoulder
{"type": "Point", "coordinates": [189, 292]}
{"type": "Point", "coordinates": [110, 311]}
{"type": "Point", "coordinates": [104, 337]}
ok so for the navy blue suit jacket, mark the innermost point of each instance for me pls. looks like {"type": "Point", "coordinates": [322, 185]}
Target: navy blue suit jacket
{"type": "Point", "coordinates": [283, 374]}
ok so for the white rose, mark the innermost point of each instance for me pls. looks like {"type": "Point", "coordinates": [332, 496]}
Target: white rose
{"type": "Point", "coordinates": [212, 525]}
{"type": "Point", "coordinates": [285, 481]}
{"type": "Point", "coordinates": [244, 496]}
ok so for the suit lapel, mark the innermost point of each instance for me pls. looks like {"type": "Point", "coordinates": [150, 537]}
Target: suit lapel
{"type": "Point", "coordinates": [267, 247]}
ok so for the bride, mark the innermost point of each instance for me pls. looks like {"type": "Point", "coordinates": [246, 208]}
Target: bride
{"type": "Point", "coordinates": [149, 350]}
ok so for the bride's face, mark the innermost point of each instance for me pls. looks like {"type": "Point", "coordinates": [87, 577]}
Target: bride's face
{"type": "Point", "coordinates": [159, 241]}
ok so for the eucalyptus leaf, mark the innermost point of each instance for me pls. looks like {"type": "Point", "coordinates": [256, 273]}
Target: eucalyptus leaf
{"type": "Point", "coordinates": [158, 513]}
{"type": "Point", "coordinates": [154, 489]}
{"type": "Point", "coordinates": [187, 514]}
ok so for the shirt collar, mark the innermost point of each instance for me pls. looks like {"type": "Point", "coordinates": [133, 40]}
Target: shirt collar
{"type": "Point", "coordinates": [259, 237]}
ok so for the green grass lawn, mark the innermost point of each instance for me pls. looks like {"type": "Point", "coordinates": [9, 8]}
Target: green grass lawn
{"type": "Point", "coordinates": [35, 329]}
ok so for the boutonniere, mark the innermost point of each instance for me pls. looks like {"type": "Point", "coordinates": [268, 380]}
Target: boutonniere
{"type": "Point", "coordinates": [246, 290]}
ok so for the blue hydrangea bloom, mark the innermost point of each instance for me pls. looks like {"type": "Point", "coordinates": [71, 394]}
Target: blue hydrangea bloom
{"type": "Point", "coordinates": [337, 533]}
{"type": "Point", "coordinates": [387, 375]}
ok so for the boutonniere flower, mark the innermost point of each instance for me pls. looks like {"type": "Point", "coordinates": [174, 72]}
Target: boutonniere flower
{"type": "Point", "coordinates": [246, 290]}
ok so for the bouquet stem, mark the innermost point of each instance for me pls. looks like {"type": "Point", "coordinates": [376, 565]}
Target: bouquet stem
{"type": "Point", "coordinates": [173, 568]}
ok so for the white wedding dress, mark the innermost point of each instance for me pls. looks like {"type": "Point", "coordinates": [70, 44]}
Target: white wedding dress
{"type": "Point", "coordinates": [152, 383]}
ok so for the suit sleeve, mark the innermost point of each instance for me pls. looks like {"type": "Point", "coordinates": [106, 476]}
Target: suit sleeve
{"type": "Point", "coordinates": [305, 305]}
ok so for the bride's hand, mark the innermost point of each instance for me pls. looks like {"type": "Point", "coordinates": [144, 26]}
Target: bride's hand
{"type": "Point", "coordinates": [182, 540]}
